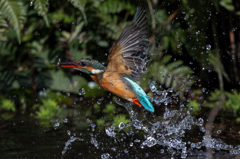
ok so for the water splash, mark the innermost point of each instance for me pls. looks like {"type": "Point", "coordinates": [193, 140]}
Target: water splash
{"type": "Point", "coordinates": [110, 131]}
{"type": "Point", "coordinates": [169, 131]}
{"type": "Point", "coordinates": [58, 123]}
{"type": "Point", "coordinates": [68, 143]}
{"type": "Point", "coordinates": [105, 156]}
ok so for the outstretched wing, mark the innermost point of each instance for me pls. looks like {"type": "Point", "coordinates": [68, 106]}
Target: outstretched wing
{"type": "Point", "coordinates": [128, 55]}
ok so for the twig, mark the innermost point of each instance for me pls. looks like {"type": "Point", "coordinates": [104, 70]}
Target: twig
{"type": "Point", "coordinates": [210, 121]}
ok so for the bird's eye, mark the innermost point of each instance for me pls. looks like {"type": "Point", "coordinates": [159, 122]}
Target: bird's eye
{"type": "Point", "coordinates": [83, 64]}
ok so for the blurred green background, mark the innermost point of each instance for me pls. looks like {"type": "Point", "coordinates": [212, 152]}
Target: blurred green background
{"type": "Point", "coordinates": [194, 49]}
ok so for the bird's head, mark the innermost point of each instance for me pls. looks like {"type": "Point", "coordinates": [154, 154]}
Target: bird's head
{"type": "Point", "coordinates": [87, 65]}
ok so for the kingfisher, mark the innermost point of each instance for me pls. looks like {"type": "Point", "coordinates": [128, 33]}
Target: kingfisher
{"type": "Point", "coordinates": [126, 63]}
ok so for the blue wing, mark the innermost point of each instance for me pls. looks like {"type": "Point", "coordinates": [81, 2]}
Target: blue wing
{"type": "Point", "coordinates": [141, 95]}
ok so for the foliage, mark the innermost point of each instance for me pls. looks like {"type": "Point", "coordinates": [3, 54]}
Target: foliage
{"type": "Point", "coordinates": [109, 116]}
{"type": "Point", "coordinates": [233, 101]}
{"type": "Point", "coordinates": [109, 108]}
{"type": "Point", "coordinates": [96, 108]}
{"type": "Point", "coordinates": [194, 107]}
{"type": "Point", "coordinates": [118, 119]}
{"type": "Point", "coordinates": [180, 34]}
{"type": "Point", "coordinates": [171, 74]}
{"type": "Point", "coordinates": [48, 109]}
{"type": "Point", "coordinates": [215, 61]}
{"type": "Point", "coordinates": [42, 7]}
{"type": "Point", "coordinates": [7, 104]}
{"type": "Point", "coordinates": [14, 11]}
{"type": "Point", "coordinates": [100, 123]}
{"type": "Point", "coordinates": [227, 4]}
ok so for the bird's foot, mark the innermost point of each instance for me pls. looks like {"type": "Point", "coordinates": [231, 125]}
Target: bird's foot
{"type": "Point", "coordinates": [136, 101]}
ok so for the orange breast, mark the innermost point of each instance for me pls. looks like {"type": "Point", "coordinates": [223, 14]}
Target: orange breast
{"type": "Point", "coordinates": [112, 82]}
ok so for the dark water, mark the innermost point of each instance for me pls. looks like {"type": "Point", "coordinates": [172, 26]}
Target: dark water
{"type": "Point", "coordinates": [76, 135]}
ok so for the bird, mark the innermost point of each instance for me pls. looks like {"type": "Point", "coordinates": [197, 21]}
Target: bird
{"type": "Point", "coordinates": [126, 63]}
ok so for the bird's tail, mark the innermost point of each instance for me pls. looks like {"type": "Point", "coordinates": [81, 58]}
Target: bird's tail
{"type": "Point", "coordinates": [141, 95]}
{"type": "Point", "coordinates": [145, 102]}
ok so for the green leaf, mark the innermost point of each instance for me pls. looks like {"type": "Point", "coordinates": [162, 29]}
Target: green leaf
{"type": "Point", "coordinates": [7, 116]}
{"type": "Point", "coordinates": [80, 4]}
{"type": "Point", "coordinates": [118, 119]}
{"type": "Point", "coordinates": [100, 122]}
{"type": "Point", "coordinates": [62, 82]}
{"type": "Point", "coordinates": [3, 22]}
{"type": "Point", "coordinates": [174, 64]}
{"type": "Point", "coordinates": [165, 41]}
{"type": "Point", "coordinates": [227, 4]}
{"type": "Point", "coordinates": [102, 43]}
{"type": "Point", "coordinates": [42, 7]}
{"type": "Point", "coordinates": [166, 59]}
{"type": "Point", "coordinates": [48, 110]}
{"type": "Point", "coordinates": [109, 108]}
{"type": "Point", "coordinates": [76, 32]}
{"type": "Point", "coordinates": [7, 104]}
{"type": "Point", "coordinates": [15, 13]}
{"type": "Point", "coordinates": [168, 73]}
{"type": "Point", "coordinates": [116, 6]}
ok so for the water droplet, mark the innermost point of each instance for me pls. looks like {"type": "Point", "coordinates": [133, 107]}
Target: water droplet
{"type": "Point", "coordinates": [94, 142]}
{"type": "Point", "coordinates": [105, 156]}
{"type": "Point", "coordinates": [202, 129]}
{"type": "Point", "coordinates": [57, 124]}
{"type": "Point", "coordinates": [65, 120]}
{"type": "Point", "coordinates": [208, 47]}
{"type": "Point", "coordinates": [121, 125]}
{"type": "Point", "coordinates": [110, 131]}
{"type": "Point", "coordinates": [200, 120]}
{"type": "Point", "coordinates": [150, 141]}
{"type": "Point", "coordinates": [136, 140]}
{"type": "Point", "coordinates": [31, 3]}
{"type": "Point", "coordinates": [153, 88]}
{"type": "Point", "coordinates": [99, 101]}
{"type": "Point", "coordinates": [183, 155]}
{"type": "Point", "coordinates": [219, 131]}
{"type": "Point", "coordinates": [81, 91]}
{"type": "Point", "coordinates": [146, 155]}
{"type": "Point", "coordinates": [93, 126]}
{"type": "Point", "coordinates": [138, 124]}
{"type": "Point", "coordinates": [131, 144]}
{"type": "Point", "coordinates": [162, 151]}
{"type": "Point", "coordinates": [68, 132]}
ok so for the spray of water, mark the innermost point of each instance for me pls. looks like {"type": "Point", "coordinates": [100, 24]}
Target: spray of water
{"type": "Point", "coordinates": [170, 132]}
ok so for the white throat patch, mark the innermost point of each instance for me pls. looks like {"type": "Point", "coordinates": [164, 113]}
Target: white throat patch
{"type": "Point", "coordinates": [96, 71]}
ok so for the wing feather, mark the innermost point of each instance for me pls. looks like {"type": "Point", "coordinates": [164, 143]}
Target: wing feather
{"type": "Point", "coordinates": [128, 55]}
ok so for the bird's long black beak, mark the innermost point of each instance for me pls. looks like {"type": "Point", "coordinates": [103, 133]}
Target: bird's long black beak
{"type": "Point", "coordinates": [66, 64]}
